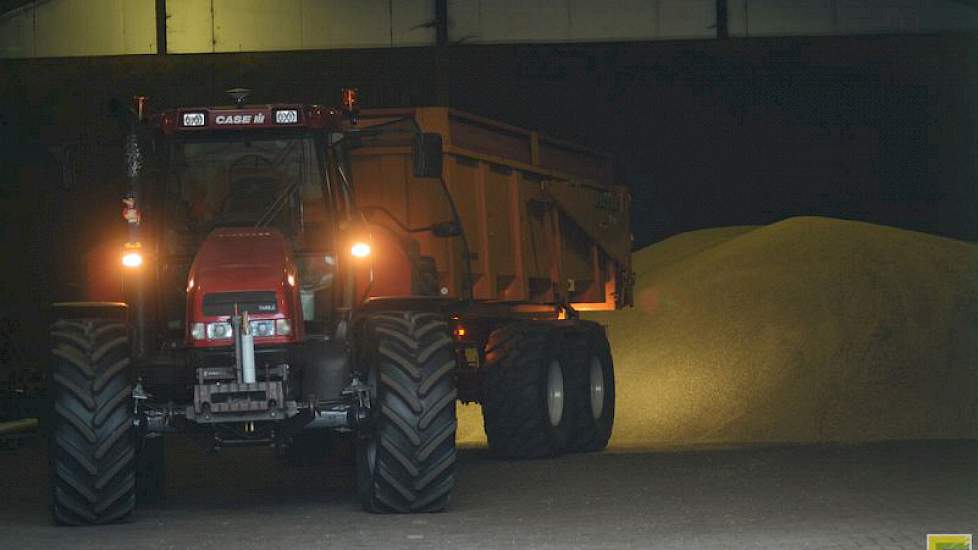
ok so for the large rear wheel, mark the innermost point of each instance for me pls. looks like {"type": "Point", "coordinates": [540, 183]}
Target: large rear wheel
{"type": "Point", "coordinates": [406, 458]}
{"type": "Point", "coordinates": [93, 456]}
{"type": "Point", "coordinates": [525, 383]}
{"type": "Point", "coordinates": [595, 398]}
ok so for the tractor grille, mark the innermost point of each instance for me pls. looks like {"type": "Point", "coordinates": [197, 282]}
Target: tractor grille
{"type": "Point", "coordinates": [222, 303]}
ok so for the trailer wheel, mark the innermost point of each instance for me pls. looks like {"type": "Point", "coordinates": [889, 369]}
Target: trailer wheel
{"type": "Point", "coordinates": [406, 459]}
{"type": "Point", "coordinates": [93, 456]}
{"type": "Point", "coordinates": [595, 400]}
{"type": "Point", "coordinates": [525, 383]}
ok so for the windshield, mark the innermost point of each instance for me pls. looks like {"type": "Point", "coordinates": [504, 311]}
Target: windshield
{"type": "Point", "coordinates": [261, 182]}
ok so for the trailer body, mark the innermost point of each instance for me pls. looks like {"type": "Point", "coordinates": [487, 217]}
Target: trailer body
{"type": "Point", "coordinates": [543, 221]}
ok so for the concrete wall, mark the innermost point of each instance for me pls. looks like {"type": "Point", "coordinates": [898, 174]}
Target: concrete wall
{"type": "Point", "coordinates": [58, 28]}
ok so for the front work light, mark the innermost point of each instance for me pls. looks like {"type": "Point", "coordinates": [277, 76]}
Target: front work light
{"type": "Point", "coordinates": [286, 116]}
{"type": "Point", "coordinates": [132, 259]}
{"type": "Point", "coordinates": [360, 250]}
{"type": "Point", "coordinates": [193, 119]}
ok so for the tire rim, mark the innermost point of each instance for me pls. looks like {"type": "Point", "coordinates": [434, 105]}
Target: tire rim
{"type": "Point", "coordinates": [597, 388]}
{"type": "Point", "coordinates": [555, 393]}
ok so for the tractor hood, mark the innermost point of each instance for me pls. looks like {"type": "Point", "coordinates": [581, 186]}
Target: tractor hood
{"type": "Point", "coordinates": [235, 259]}
{"type": "Point", "coordinates": [246, 266]}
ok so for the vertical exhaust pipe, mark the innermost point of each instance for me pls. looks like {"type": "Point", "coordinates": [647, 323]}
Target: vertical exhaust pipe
{"type": "Point", "coordinates": [247, 340]}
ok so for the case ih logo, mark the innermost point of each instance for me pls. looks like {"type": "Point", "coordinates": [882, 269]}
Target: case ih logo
{"type": "Point", "coordinates": [256, 118]}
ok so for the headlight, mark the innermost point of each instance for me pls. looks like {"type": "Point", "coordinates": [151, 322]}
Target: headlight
{"type": "Point", "coordinates": [263, 328]}
{"type": "Point", "coordinates": [197, 331]}
{"type": "Point", "coordinates": [283, 327]}
{"type": "Point", "coordinates": [360, 250]}
{"type": "Point", "coordinates": [218, 331]}
{"type": "Point", "coordinates": [132, 259]}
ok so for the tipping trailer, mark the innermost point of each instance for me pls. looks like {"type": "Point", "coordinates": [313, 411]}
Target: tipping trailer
{"type": "Point", "coordinates": [297, 270]}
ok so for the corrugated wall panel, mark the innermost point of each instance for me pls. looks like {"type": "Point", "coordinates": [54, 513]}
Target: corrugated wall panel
{"type": "Point", "coordinates": [950, 16]}
{"type": "Point", "coordinates": [522, 21]}
{"type": "Point", "coordinates": [593, 21]}
{"type": "Point", "coordinates": [848, 17]}
{"type": "Point", "coordinates": [17, 34]}
{"type": "Point", "coordinates": [781, 17]}
{"type": "Point", "coordinates": [367, 23]}
{"type": "Point", "coordinates": [507, 21]}
{"type": "Point", "coordinates": [257, 25]}
{"type": "Point", "coordinates": [686, 19]}
{"type": "Point", "coordinates": [66, 28]}
{"type": "Point", "coordinates": [189, 26]}
{"type": "Point", "coordinates": [271, 25]}
{"type": "Point", "coordinates": [115, 27]}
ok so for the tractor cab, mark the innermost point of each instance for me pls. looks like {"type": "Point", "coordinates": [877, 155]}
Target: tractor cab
{"type": "Point", "coordinates": [245, 212]}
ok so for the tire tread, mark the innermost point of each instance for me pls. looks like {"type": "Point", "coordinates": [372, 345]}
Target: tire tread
{"type": "Point", "coordinates": [93, 453]}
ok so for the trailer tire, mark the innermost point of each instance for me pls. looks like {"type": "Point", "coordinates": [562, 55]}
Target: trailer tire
{"type": "Point", "coordinates": [519, 381]}
{"type": "Point", "coordinates": [93, 454]}
{"type": "Point", "coordinates": [406, 457]}
{"type": "Point", "coordinates": [595, 392]}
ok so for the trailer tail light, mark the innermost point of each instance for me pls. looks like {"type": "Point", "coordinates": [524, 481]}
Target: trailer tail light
{"type": "Point", "coordinates": [286, 116]}
{"type": "Point", "coordinates": [193, 119]}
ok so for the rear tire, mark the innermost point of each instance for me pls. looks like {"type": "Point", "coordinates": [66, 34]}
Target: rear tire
{"type": "Point", "coordinates": [93, 456]}
{"type": "Point", "coordinates": [406, 460]}
{"type": "Point", "coordinates": [595, 399]}
{"type": "Point", "coordinates": [524, 370]}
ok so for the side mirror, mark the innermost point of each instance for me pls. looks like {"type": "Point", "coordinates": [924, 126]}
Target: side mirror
{"type": "Point", "coordinates": [427, 155]}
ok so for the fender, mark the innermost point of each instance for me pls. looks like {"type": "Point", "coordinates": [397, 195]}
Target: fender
{"type": "Point", "coordinates": [89, 310]}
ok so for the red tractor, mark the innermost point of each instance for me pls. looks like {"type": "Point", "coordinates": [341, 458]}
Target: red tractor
{"type": "Point", "coordinates": [294, 270]}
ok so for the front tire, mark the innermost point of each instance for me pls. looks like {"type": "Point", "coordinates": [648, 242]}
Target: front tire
{"type": "Point", "coordinates": [93, 456]}
{"type": "Point", "coordinates": [406, 459]}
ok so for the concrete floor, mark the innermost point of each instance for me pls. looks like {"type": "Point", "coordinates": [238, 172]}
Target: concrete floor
{"type": "Point", "coordinates": [880, 496]}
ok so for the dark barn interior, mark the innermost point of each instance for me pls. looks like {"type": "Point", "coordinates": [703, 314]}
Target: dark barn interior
{"type": "Point", "coordinates": [879, 128]}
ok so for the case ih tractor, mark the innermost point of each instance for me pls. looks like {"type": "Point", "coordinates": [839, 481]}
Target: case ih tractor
{"type": "Point", "coordinates": [294, 270]}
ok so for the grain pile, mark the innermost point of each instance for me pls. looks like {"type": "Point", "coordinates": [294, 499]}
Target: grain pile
{"type": "Point", "coordinates": [807, 330]}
